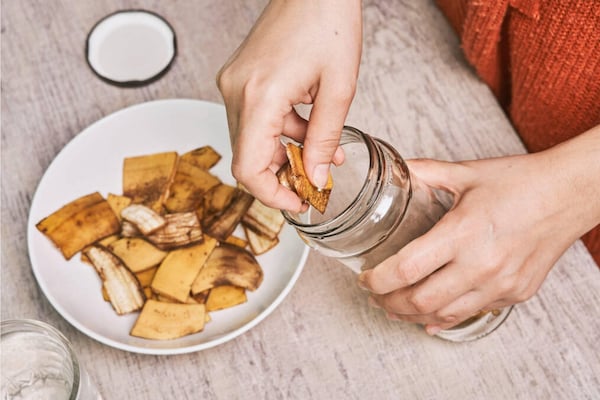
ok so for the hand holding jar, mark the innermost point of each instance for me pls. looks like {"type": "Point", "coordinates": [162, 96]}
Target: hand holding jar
{"type": "Point", "coordinates": [512, 218]}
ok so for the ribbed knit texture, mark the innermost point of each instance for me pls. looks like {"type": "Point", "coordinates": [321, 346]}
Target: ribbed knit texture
{"type": "Point", "coordinates": [542, 61]}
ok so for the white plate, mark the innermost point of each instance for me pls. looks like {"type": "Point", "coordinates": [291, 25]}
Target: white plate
{"type": "Point", "coordinates": [92, 161]}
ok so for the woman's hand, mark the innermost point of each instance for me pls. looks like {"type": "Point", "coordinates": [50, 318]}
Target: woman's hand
{"type": "Point", "coordinates": [299, 51]}
{"type": "Point", "coordinates": [512, 218]}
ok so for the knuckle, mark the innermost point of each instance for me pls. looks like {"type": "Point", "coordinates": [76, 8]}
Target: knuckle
{"type": "Point", "coordinates": [240, 173]}
{"type": "Point", "coordinates": [406, 273]}
{"type": "Point", "coordinates": [523, 293]}
{"type": "Point", "coordinates": [506, 286]}
{"type": "Point", "coordinates": [487, 270]}
{"type": "Point", "coordinates": [446, 318]}
{"type": "Point", "coordinates": [515, 288]}
{"type": "Point", "coordinates": [421, 303]}
{"type": "Point", "coordinates": [323, 151]}
{"type": "Point", "coordinates": [224, 79]}
{"type": "Point", "coordinates": [258, 89]}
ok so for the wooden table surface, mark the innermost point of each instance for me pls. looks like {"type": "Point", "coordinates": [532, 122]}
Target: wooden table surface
{"type": "Point", "coordinates": [323, 341]}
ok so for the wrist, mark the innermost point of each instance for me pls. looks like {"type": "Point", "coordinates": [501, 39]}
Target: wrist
{"type": "Point", "coordinates": [575, 165]}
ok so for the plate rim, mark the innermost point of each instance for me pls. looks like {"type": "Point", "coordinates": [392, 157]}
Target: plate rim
{"type": "Point", "coordinates": [31, 230]}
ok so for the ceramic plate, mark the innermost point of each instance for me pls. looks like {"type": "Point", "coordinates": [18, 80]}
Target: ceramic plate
{"type": "Point", "coordinates": [92, 161]}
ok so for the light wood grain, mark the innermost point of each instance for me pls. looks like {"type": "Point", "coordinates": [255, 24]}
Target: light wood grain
{"type": "Point", "coordinates": [323, 342]}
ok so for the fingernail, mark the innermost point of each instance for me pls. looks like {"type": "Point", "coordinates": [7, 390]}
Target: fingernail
{"type": "Point", "coordinates": [320, 175]}
{"type": "Point", "coordinates": [432, 330]}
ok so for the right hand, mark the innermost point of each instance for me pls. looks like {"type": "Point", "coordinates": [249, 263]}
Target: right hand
{"type": "Point", "coordinates": [298, 52]}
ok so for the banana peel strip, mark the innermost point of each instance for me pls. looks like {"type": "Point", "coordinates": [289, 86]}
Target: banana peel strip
{"type": "Point", "coordinates": [293, 176]}
{"type": "Point", "coordinates": [162, 320]}
{"type": "Point", "coordinates": [145, 219]}
{"type": "Point", "coordinates": [180, 229]}
{"type": "Point", "coordinates": [122, 287]}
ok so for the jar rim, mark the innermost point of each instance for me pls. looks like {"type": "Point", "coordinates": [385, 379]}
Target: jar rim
{"type": "Point", "coordinates": [331, 225]}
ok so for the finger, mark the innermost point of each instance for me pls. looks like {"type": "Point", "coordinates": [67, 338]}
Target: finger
{"type": "Point", "coordinates": [452, 177]}
{"type": "Point", "coordinates": [498, 305]}
{"type": "Point", "coordinates": [428, 319]}
{"type": "Point", "coordinates": [279, 158]}
{"type": "Point", "coordinates": [265, 186]}
{"type": "Point", "coordinates": [471, 304]}
{"type": "Point", "coordinates": [255, 148]}
{"type": "Point", "coordinates": [433, 293]}
{"type": "Point", "coordinates": [339, 156]}
{"type": "Point", "coordinates": [467, 306]}
{"type": "Point", "coordinates": [294, 126]}
{"type": "Point", "coordinates": [322, 140]}
{"type": "Point", "coordinates": [412, 263]}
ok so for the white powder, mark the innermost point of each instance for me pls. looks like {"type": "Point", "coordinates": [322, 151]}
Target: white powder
{"type": "Point", "coordinates": [35, 367]}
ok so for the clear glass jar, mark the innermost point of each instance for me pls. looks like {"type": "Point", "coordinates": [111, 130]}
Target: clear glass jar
{"type": "Point", "coordinates": [38, 362]}
{"type": "Point", "coordinates": [375, 208]}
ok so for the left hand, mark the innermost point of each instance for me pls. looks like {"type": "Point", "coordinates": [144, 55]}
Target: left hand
{"type": "Point", "coordinates": [512, 218]}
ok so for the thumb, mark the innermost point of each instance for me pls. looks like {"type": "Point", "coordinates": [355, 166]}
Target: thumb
{"type": "Point", "coordinates": [449, 176]}
{"type": "Point", "coordinates": [327, 117]}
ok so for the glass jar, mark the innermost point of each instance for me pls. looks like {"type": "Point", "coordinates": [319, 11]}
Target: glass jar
{"type": "Point", "coordinates": [38, 362]}
{"type": "Point", "coordinates": [375, 208]}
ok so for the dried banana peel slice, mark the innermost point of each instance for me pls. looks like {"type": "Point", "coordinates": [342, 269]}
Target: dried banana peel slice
{"type": "Point", "coordinates": [188, 187]}
{"type": "Point", "coordinates": [145, 219]}
{"type": "Point", "coordinates": [122, 287]}
{"type": "Point", "coordinates": [79, 224]}
{"type": "Point", "coordinates": [225, 296]}
{"type": "Point", "coordinates": [137, 254]}
{"type": "Point", "coordinates": [237, 241]}
{"type": "Point", "coordinates": [146, 178]}
{"type": "Point", "coordinates": [228, 265]}
{"type": "Point", "coordinates": [179, 269]}
{"type": "Point", "coordinates": [159, 320]}
{"type": "Point", "coordinates": [145, 277]}
{"type": "Point", "coordinates": [293, 176]}
{"type": "Point", "coordinates": [259, 244]}
{"type": "Point", "coordinates": [218, 198]}
{"type": "Point", "coordinates": [118, 203]}
{"type": "Point", "coordinates": [203, 157]}
{"type": "Point", "coordinates": [181, 229]}
{"type": "Point", "coordinates": [264, 220]}
{"type": "Point", "coordinates": [222, 225]}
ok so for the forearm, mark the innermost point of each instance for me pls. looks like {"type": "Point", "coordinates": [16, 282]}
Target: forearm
{"type": "Point", "coordinates": [575, 165]}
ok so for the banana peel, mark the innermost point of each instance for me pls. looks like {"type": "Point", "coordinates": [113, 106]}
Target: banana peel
{"type": "Point", "coordinates": [122, 287]}
{"type": "Point", "coordinates": [146, 178]}
{"type": "Point", "coordinates": [179, 269]}
{"type": "Point", "coordinates": [203, 157]}
{"type": "Point", "coordinates": [137, 253]}
{"type": "Point", "coordinates": [222, 225]}
{"type": "Point", "coordinates": [226, 296]}
{"type": "Point", "coordinates": [118, 203]}
{"type": "Point", "coordinates": [161, 321]}
{"type": "Point", "coordinates": [145, 277]}
{"type": "Point", "coordinates": [145, 219]}
{"type": "Point", "coordinates": [218, 198]}
{"type": "Point", "coordinates": [259, 244]}
{"type": "Point", "coordinates": [228, 265]}
{"type": "Point", "coordinates": [264, 220]}
{"type": "Point", "coordinates": [180, 229]}
{"type": "Point", "coordinates": [188, 187]}
{"type": "Point", "coordinates": [293, 176]}
{"type": "Point", "coordinates": [79, 224]}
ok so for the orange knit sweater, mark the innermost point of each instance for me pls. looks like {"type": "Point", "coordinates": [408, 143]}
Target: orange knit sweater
{"type": "Point", "coordinates": [541, 58]}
